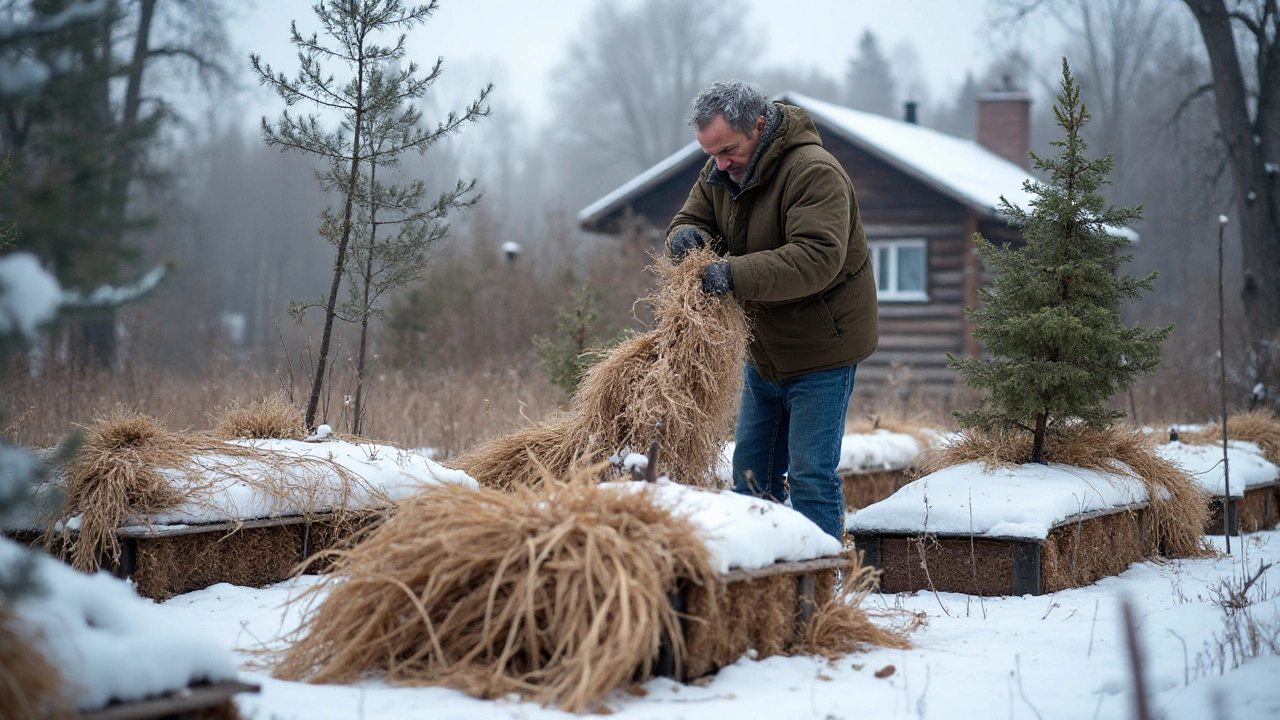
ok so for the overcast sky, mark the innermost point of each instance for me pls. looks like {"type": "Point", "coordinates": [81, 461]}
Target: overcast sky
{"type": "Point", "coordinates": [519, 43]}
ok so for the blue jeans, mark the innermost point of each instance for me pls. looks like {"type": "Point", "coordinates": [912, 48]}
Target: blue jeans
{"type": "Point", "coordinates": [790, 430]}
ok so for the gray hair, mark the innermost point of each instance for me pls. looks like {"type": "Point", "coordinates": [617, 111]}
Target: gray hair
{"type": "Point", "coordinates": [741, 104]}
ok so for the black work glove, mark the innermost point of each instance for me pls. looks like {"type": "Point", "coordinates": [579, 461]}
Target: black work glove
{"type": "Point", "coordinates": [686, 240]}
{"type": "Point", "coordinates": [717, 280]}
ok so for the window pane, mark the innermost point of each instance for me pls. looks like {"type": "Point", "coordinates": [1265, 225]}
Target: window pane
{"type": "Point", "coordinates": [882, 268]}
{"type": "Point", "coordinates": [911, 268]}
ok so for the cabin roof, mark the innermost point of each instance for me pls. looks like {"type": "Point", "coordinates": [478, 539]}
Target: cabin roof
{"type": "Point", "coordinates": [957, 168]}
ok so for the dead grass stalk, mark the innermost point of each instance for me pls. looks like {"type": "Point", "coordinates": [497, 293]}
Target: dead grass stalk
{"type": "Point", "coordinates": [30, 686]}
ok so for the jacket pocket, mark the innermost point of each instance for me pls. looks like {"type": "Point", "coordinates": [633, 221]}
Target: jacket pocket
{"type": "Point", "coordinates": [825, 316]}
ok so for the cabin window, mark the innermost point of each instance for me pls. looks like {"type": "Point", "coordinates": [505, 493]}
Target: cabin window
{"type": "Point", "coordinates": [899, 267]}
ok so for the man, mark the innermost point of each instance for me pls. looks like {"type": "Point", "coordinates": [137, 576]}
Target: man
{"type": "Point", "coordinates": [782, 212]}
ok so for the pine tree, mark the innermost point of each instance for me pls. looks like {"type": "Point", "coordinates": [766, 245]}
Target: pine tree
{"type": "Point", "coordinates": [376, 88]}
{"type": "Point", "coordinates": [1051, 320]}
{"type": "Point", "coordinates": [566, 357]}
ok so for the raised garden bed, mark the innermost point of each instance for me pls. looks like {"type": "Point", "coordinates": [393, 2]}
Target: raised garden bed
{"type": "Point", "coordinates": [167, 560]}
{"type": "Point", "coordinates": [765, 609]}
{"type": "Point", "coordinates": [867, 488]}
{"type": "Point", "coordinates": [1020, 531]}
{"type": "Point", "coordinates": [1254, 502]}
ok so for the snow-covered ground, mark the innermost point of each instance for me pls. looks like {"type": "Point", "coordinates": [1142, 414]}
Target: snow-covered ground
{"type": "Point", "coordinates": [1053, 656]}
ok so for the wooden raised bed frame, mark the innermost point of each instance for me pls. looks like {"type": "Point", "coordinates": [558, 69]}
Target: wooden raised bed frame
{"type": "Point", "coordinates": [766, 610]}
{"type": "Point", "coordinates": [164, 561]}
{"type": "Point", "coordinates": [198, 702]}
{"type": "Point", "coordinates": [1077, 552]}
{"type": "Point", "coordinates": [1259, 509]}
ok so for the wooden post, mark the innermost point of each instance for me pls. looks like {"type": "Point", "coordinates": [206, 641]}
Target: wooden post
{"type": "Point", "coordinates": [651, 471]}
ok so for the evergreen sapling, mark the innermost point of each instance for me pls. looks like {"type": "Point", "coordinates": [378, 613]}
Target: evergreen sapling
{"type": "Point", "coordinates": [1057, 348]}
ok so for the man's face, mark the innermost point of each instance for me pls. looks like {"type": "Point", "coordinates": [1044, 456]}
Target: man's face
{"type": "Point", "coordinates": [731, 148]}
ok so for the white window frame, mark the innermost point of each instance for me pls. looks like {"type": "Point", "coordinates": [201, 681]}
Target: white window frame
{"type": "Point", "coordinates": [893, 294]}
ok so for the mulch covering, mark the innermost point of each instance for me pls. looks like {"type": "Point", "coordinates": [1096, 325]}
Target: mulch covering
{"type": "Point", "coordinates": [677, 384]}
{"type": "Point", "coordinates": [558, 592]}
{"type": "Point", "coordinates": [130, 469]}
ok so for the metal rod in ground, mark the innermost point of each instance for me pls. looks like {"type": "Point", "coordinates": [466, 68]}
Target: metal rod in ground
{"type": "Point", "coordinates": [1140, 711]}
{"type": "Point", "coordinates": [1222, 391]}
{"type": "Point", "coordinates": [651, 470]}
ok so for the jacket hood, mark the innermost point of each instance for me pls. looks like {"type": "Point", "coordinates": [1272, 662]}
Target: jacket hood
{"type": "Point", "coordinates": [787, 127]}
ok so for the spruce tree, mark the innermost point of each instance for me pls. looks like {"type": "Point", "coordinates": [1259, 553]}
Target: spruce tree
{"type": "Point", "coordinates": [1057, 348]}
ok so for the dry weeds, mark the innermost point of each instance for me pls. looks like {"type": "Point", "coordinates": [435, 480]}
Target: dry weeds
{"type": "Point", "coordinates": [1177, 505]}
{"type": "Point", "coordinates": [558, 593]}
{"type": "Point", "coordinates": [842, 626]}
{"type": "Point", "coordinates": [677, 384]}
{"type": "Point", "coordinates": [272, 417]}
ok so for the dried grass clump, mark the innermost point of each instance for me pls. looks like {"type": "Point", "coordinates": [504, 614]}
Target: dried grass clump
{"type": "Point", "coordinates": [30, 686]}
{"type": "Point", "coordinates": [129, 469]}
{"type": "Point", "coordinates": [1177, 505]}
{"type": "Point", "coordinates": [841, 625]}
{"type": "Point", "coordinates": [558, 593]}
{"type": "Point", "coordinates": [1261, 427]}
{"type": "Point", "coordinates": [677, 384]}
{"type": "Point", "coordinates": [272, 417]}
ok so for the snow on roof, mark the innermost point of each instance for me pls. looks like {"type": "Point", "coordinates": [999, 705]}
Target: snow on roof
{"type": "Point", "coordinates": [107, 643]}
{"type": "Point", "coordinates": [958, 168]}
{"type": "Point", "coordinates": [657, 173]}
{"type": "Point", "coordinates": [1246, 465]}
{"type": "Point", "coordinates": [1019, 502]}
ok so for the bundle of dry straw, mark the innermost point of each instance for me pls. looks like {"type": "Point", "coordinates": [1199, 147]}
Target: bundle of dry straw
{"type": "Point", "coordinates": [1261, 427]}
{"type": "Point", "coordinates": [677, 384]}
{"type": "Point", "coordinates": [1177, 505]}
{"type": "Point", "coordinates": [271, 417]}
{"type": "Point", "coordinates": [130, 468]}
{"type": "Point", "coordinates": [842, 625]}
{"type": "Point", "coordinates": [556, 592]}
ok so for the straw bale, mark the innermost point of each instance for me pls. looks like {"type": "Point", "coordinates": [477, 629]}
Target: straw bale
{"type": "Point", "coordinates": [863, 489]}
{"type": "Point", "coordinates": [1080, 553]}
{"type": "Point", "coordinates": [129, 468]}
{"type": "Point", "coordinates": [677, 383]}
{"type": "Point", "coordinates": [252, 557]}
{"type": "Point", "coordinates": [272, 417]}
{"type": "Point", "coordinates": [980, 567]}
{"type": "Point", "coordinates": [1177, 510]}
{"type": "Point", "coordinates": [1257, 426]}
{"type": "Point", "coordinates": [30, 686]}
{"type": "Point", "coordinates": [558, 593]}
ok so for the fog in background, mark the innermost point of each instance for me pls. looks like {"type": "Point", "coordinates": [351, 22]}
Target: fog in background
{"type": "Point", "coordinates": [590, 93]}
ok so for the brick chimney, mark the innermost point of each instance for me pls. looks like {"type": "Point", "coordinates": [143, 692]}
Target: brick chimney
{"type": "Point", "coordinates": [1004, 124]}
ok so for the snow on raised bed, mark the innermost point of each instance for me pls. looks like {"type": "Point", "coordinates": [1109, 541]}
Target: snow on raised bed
{"type": "Point", "coordinates": [859, 452]}
{"type": "Point", "coordinates": [1246, 465]}
{"type": "Point", "coordinates": [740, 531]}
{"type": "Point", "coordinates": [308, 473]}
{"type": "Point", "coordinates": [1022, 502]}
{"type": "Point", "coordinates": [108, 643]}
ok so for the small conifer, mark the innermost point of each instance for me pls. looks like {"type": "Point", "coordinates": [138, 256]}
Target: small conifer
{"type": "Point", "coordinates": [1057, 349]}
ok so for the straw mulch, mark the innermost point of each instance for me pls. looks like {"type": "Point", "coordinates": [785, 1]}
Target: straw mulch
{"type": "Point", "coordinates": [1261, 427]}
{"type": "Point", "coordinates": [558, 593]}
{"type": "Point", "coordinates": [677, 384]}
{"type": "Point", "coordinates": [273, 416]}
{"type": "Point", "coordinates": [1177, 506]}
{"type": "Point", "coordinates": [30, 686]}
{"type": "Point", "coordinates": [130, 468]}
{"type": "Point", "coordinates": [842, 625]}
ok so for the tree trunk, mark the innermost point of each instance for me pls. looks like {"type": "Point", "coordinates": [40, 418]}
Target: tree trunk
{"type": "Point", "coordinates": [1037, 442]}
{"type": "Point", "coordinates": [1253, 152]}
{"type": "Point", "coordinates": [364, 308]}
{"type": "Point", "coordinates": [339, 263]}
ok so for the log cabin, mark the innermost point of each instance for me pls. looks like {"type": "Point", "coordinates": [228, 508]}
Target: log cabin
{"type": "Point", "coordinates": [922, 194]}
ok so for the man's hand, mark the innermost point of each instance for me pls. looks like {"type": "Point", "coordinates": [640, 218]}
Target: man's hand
{"type": "Point", "coordinates": [717, 280]}
{"type": "Point", "coordinates": [686, 240]}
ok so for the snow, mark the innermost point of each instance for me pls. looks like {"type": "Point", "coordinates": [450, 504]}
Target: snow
{"type": "Point", "coordinates": [1246, 465]}
{"type": "Point", "coordinates": [878, 450]}
{"type": "Point", "coordinates": [1059, 656]}
{"type": "Point", "coordinates": [1023, 502]}
{"type": "Point", "coordinates": [740, 531]}
{"type": "Point", "coordinates": [108, 643]}
{"type": "Point", "coordinates": [657, 173]}
{"type": "Point", "coordinates": [1222, 220]}
{"type": "Point", "coordinates": [29, 296]}
{"type": "Point", "coordinates": [383, 469]}
{"type": "Point", "coordinates": [110, 296]}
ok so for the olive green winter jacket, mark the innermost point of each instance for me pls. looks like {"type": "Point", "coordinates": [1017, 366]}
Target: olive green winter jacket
{"type": "Point", "coordinates": [796, 252]}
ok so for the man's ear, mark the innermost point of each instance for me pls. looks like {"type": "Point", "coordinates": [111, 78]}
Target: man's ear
{"type": "Point", "coordinates": [760, 124]}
